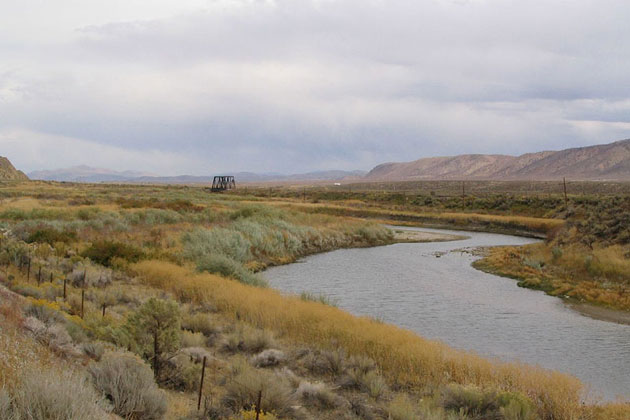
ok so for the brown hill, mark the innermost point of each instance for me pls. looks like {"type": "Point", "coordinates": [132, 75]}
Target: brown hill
{"type": "Point", "coordinates": [8, 171]}
{"type": "Point", "coordinates": [601, 162]}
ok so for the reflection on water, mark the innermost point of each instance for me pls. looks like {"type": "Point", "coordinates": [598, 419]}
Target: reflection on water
{"type": "Point", "coordinates": [444, 298]}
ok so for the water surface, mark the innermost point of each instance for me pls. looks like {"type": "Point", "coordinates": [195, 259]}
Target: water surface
{"type": "Point", "coordinates": [431, 288]}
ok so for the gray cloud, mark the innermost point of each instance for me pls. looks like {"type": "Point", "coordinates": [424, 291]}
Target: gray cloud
{"type": "Point", "coordinates": [302, 85]}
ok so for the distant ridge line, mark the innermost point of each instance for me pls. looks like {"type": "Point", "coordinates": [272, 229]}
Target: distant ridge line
{"type": "Point", "coordinates": [605, 162]}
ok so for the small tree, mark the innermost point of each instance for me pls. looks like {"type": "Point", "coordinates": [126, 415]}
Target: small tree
{"type": "Point", "coordinates": [155, 327]}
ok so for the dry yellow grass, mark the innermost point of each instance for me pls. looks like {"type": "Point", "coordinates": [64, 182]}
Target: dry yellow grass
{"type": "Point", "coordinates": [598, 276]}
{"type": "Point", "coordinates": [404, 357]}
{"type": "Point", "coordinates": [536, 224]}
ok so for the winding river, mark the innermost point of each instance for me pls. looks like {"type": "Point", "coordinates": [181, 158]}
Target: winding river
{"type": "Point", "coordinates": [431, 288]}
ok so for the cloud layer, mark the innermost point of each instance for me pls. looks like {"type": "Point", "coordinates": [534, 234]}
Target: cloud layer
{"type": "Point", "coordinates": [291, 86]}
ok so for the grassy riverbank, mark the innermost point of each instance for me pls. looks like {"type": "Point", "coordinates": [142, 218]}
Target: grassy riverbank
{"type": "Point", "coordinates": [587, 260]}
{"type": "Point", "coordinates": [190, 260]}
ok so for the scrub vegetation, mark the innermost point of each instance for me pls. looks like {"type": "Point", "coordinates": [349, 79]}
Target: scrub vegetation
{"type": "Point", "coordinates": [112, 297]}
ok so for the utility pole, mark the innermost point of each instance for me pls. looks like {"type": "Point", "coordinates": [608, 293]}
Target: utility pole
{"type": "Point", "coordinates": [566, 200]}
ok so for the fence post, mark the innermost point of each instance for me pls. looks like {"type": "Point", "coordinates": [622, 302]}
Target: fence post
{"type": "Point", "coordinates": [28, 268]}
{"type": "Point", "coordinates": [51, 276]}
{"type": "Point", "coordinates": [203, 372]}
{"type": "Point", "coordinates": [82, 300]}
{"type": "Point", "coordinates": [258, 404]}
{"type": "Point", "coordinates": [39, 275]}
{"type": "Point", "coordinates": [64, 288]}
{"type": "Point", "coordinates": [566, 201]}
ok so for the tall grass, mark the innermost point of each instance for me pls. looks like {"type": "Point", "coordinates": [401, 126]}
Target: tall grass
{"type": "Point", "coordinates": [404, 358]}
{"type": "Point", "coordinates": [598, 276]}
{"type": "Point", "coordinates": [464, 220]}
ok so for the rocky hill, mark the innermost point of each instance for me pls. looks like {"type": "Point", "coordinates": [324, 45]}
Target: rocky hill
{"type": "Point", "coordinates": [8, 171]}
{"type": "Point", "coordinates": [601, 162]}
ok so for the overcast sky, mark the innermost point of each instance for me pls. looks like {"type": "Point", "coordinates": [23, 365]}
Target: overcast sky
{"type": "Point", "coordinates": [207, 86]}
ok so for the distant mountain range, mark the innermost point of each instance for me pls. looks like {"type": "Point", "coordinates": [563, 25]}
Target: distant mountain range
{"type": "Point", "coordinates": [602, 162]}
{"type": "Point", "coordinates": [95, 175]}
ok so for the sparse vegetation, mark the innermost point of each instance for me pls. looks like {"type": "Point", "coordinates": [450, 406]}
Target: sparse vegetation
{"type": "Point", "coordinates": [162, 261]}
{"type": "Point", "coordinates": [127, 382]}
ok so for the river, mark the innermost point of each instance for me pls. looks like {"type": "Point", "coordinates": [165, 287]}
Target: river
{"type": "Point", "coordinates": [431, 288]}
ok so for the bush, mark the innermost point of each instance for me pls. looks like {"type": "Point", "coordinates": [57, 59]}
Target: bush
{"type": "Point", "coordinates": [201, 323]}
{"type": "Point", "coordinates": [475, 402]}
{"type": "Point", "coordinates": [316, 395]}
{"type": "Point", "coordinates": [249, 340]}
{"type": "Point", "coordinates": [227, 267]}
{"type": "Point", "coordinates": [331, 362]}
{"type": "Point", "coordinates": [44, 313]}
{"type": "Point", "coordinates": [269, 357]}
{"type": "Point", "coordinates": [181, 373]}
{"type": "Point", "coordinates": [401, 408]}
{"type": "Point", "coordinates": [242, 392]}
{"type": "Point", "coordinates": [155, 326]}
{"type": "Point", "coordinates": [190, 339]}
{"type": "Point", "coordinates": [94, 350]}
{"type": "Point", "coordinates": [469, 400]}
{"type": "Point", "coordinates": [51, 236]}
{"type": "Point", "coordinates": [56, 396]}
{"type": "Point", "coordinates": [103, 252]}
{"type": "Point", "coordinates": [92, 276]}
{"type": "Point", "coordinates": [128, 383]}
{"type": "Point", "coordinates": [196, 354]}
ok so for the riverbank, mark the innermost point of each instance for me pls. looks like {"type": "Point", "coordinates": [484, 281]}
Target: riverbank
{"type": "Point", "coordinates": [533, 227]}
{"type": "Point", "coordinates": [536, 267]}
{"type": "Point", "coordinates": [446, 299]}
{"type": "Point", "coordinates": [416, 236]}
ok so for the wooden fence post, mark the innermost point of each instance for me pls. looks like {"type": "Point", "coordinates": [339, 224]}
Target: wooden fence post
{"type": "Point", "coordinates": [82, 301]}
{"type": "Point", "coordinates": [39, 275]}
{"type": "Point", "coordinates": [203, 372]}
{"type": "Point", "coordinates": [28, 268]}
{"type": "Point", "coordinates": [566, 200]}
{"type": "Point", "coordinates": [64, 288]}
{"type": "Point", "coordinates": [258, 404]}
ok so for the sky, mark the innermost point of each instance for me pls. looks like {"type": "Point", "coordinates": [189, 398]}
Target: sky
{"type": "Point", "coordinates": [206, 86]}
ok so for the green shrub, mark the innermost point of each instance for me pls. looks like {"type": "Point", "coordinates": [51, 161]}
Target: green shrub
{"type": "Point", "coordinates": [477, 403]}
{"type": "Point", "coordinates": [103, 252]}
{"type": "Point", "coordinates": [181, 373]}
{"type": "Point", "coordinates": [44, 313]}
{"type": "Point", "coordinates": [469, 400]}
{"type": "Point", "coordinates": [127, 382]}
{"type": "Point", "coordinates": [51, 236]}
{"type": "Point", "coordinates": [27, 290]}
{"type": "Point", "coordinates": [155, 326]}
{"type": "Point", "coordinates": [227, 267]}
